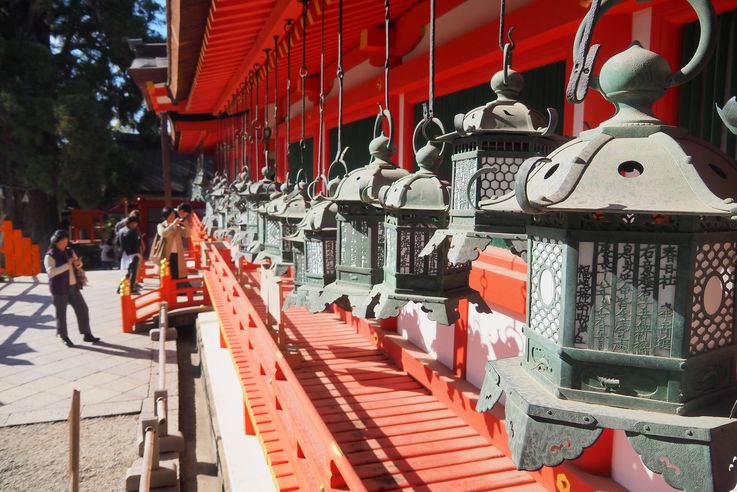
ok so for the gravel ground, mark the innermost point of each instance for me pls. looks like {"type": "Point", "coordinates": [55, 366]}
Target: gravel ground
{"type": "Point", "coordinates": [34, 457]}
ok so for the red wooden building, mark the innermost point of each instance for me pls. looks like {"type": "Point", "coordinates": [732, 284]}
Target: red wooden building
{"type": "Point", "coordinates": [212, 45]}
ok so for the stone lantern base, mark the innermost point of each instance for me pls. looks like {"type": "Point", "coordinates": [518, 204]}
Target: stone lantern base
{"type": "Point", "coordinates": [695, 453]}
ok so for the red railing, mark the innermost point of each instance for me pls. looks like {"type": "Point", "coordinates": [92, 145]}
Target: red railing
{"type": "Point", "coordinates": [313, 452]}
{"type": "Point", "coordinates": [20, 256]}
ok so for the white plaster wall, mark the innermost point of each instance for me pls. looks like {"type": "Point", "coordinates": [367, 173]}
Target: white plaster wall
{"type": "Point", "coordinates": [629, 471]}
{"type": "Point", "coordinates": [490, 336]}
{"type": "Point", "coordinates": [435, 339]}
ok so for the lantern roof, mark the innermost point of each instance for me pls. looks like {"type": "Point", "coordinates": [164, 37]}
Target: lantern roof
{"type": "Point", "coordinates": [367, 183]}
{"type": "Point", "coordinates": [320, 216]}
{"type": "Point", "coordinates": [632, 163]}
{"type": "Point", "coordinates": [266, 185]}
{"type": "Point", "coordinates": [505, 115]}
{"type": "Point", "coordinates": [422, 190]}
{"type": "Point", "coordinates": [288, 205]}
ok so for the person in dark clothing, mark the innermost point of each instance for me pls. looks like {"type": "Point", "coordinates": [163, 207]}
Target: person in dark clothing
{"type": "Point", "coordinates": [119, 227]}
{"type": "Point", "coordinates": [60, 261]}
{"type": "Point", "coordinates": [130, 245]}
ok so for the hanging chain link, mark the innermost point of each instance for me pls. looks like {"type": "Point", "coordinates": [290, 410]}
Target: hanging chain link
{"type": "Point", "coordinates": [428, 109]}
{"type": "Point", "coordinates": [288, 29]}
{"type": "Point", "coordinates": [303, 72]}
{"type": "Point", "coordinates": [340, 74]}
{"type": "Point", "coordinates": [321, 100]}
{"type": "Point", "coordinates": [386, 54]}
{"type": "Point", "coordinates": [276, 98]}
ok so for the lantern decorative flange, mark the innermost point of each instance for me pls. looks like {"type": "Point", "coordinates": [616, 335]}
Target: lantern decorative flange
{"type": "Point", "coordinates": [360, 226]}
{"type": "Point", "coordinates": [692, 453]}
{"type": "Point", "coordinates": [416, 207]}
{"type": "Point", "coordinates": [632, 277]}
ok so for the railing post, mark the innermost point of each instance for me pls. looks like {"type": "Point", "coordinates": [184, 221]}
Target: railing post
{"type": "Point", "coordinates": [167, 288]}
{"type": "Point", "coordinates": [73, 420]}
{"type": "Point", "coordinates": [35, 260]}
{"type": "Point", "coordinates": [149, 472]}
{"type": "Point", "coordinates": [127, 306]}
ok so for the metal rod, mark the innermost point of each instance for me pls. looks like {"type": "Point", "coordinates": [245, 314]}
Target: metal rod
{"type": "Point", "coordinates": [289, 28]}
{"type": "Point", "coordinates": [386, 55]}
{"type": "Point", "coordinates": [163, 328]}
{"type": "Point", "coordinates": [144, 483]}
{"type": "Point", "coordinates": [340, 74]}
{"type": "Point", "coordinates": [431, 88]}
{"type": "Point", "coordinates": [303, 72]}
{"type": "Point", "coordinates": [321, 136]}
{"type": "Point", "coordinates": [161, 410]}
{"type": "Point", "coordinates": [276, 99]}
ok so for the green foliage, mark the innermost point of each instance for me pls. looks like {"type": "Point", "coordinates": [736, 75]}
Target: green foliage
{"type": "Point", "coordinates": [64, 92]}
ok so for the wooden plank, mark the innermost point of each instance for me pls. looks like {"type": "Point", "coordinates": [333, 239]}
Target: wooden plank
{"type": "Point", "coordinates": [73, 421]}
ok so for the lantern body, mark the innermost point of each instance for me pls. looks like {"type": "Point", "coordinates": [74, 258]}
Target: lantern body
{"type": "Point", "coordinates": [417, 206]}
{"type": "Point", "coordinates": [360, 232]}
{"type": "Point", "coordinates": [281, 217]}
{"type": "Point", "coordinates": [490, 143]}
{"type": "Point", "coordinates": [256, 196]}
{"type": "Point", "coordinates": [630, 292]}
{"type": "Point", "coordinates": [314, 255]}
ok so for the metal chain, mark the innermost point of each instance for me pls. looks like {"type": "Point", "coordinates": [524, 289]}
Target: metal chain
{"type": "Point", "coordinates": [340, 74]}
{"type": "Point", "coordinates": [303, 72]}
{"type": "Point", "coordinates": [257, 76]}
{"type": "Point", "coordinates": [386, 54]}
{"type": "Point", "coordinates": [430, 112]}
{"type": "Point", "coordinates": [276, 99]}
{"type": "Point", "coordinates": [289, 28]}
{"type": "Point", "coordinates": [320, 132]}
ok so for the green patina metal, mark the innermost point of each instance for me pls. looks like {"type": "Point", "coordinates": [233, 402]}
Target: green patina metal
{"type": "Point", "coordinates": [416, 207]}
{"type": "Point", "coordinates": [631, 282]}
{"type": "Point", "coordinates": [489, 145]}
{"type": "Point", "coordinates": [360, 226]}
{"type": "Point", "coordinates": [257, 195]}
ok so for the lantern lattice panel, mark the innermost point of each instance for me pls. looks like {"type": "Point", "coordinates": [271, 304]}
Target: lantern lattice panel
{"type": "Point", "coordinates": [273, 232]}
{"type": "Point", "coordinates": [299, 266]}
{"type": "Point", "coordinates": [546, 273]}
{"type": "Point", "coordinates": [287, 230]}
{"type": "Point", "coordinates": [380, 232]}
{"type": "Point", "coordinates": [463, 169]}
{"type": "Point", "coordinates": [497, 182]}
{"type": "Point", "coordinates": [329, 257]}
{"type": "Point", "coordinates": [625, 294]}
{"type": "Point", "coordinates": [712, 324]}
{"type": "Point", "coordinates": [411, 242]}
{"type": "Point", "coordinates": [353, 237]}
{"type": "Point", "coordinates": [315, 265]}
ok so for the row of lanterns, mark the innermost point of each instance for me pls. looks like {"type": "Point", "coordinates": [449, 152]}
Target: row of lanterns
{"type": "Point", "coordinates": [628, 230]}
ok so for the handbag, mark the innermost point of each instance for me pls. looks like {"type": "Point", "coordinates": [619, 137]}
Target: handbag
{"type": "Point", "coordinates": [81, 276]}
{"type": "Point", "coordinates": [157, 250]}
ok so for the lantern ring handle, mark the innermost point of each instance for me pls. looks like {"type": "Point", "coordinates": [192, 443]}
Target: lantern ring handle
{"type": "Point", "coordinates": [300, 173]}
{"type": "Point", "coordinates": [707, 40]}
{"type": "Point", "coordinates": [422, 126]}
{"type": "Point", "coordinates": [313, 185]}
{"type": "Point", "coordinates": [484, 170]}
{"type": "Point", "coordinates": [520, 183]}
{"type": "Point", "coordinates": [384, 114]}
{"type": "Point", "coordinates": [339, 160]}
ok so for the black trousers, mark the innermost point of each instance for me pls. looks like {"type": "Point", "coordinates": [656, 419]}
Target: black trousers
{"type": "Point", "coordinates": [61, 301]}
{"type": "Point", "coordinates": [133, 271]}
{"type": "Point", "coordinates": [174, 265]}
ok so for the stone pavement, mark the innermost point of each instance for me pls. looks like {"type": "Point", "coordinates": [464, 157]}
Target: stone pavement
{"type": "Point", "coordinates": [38, 372]}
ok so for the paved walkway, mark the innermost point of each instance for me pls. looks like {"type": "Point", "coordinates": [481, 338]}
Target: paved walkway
{"type": "Point", "coordinates": [38, 372]}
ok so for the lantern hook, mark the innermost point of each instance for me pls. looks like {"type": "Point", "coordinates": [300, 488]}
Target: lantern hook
{"type": "Point", "coordinates": [484, 170]}
{"type": "Point", "coordinates": [585, 54]}
{"type": "Point", "coordinates": [312, 187]}
{"type": "Point", "coordinates": [340, 160]}
{"type": "Point", "coordinates": [422, 127]}
{"type": "Point", "coordinates": [384, 114]}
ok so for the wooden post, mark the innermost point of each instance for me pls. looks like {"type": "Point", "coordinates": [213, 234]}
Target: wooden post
{"type": "Point", "coordinates": [17, 251]}
{"type": "Point", "coordinates": [35, 260]}
{"type": "Point", "coordinates": [73, 420]}
{"type": "Point", "coordinates": [166, 160]}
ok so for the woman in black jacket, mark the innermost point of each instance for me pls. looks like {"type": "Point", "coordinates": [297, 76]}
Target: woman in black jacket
{"type": "Point", "coordinates": [60, 261]}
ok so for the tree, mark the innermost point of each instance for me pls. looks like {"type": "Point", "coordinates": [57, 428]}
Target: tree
{"type": "Point", "coordinates": [64, 92]}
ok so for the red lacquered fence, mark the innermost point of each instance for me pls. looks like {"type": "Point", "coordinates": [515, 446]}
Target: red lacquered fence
{"type": "Point", "coordinates": [20, 256]}
{"type": "Point", "coordinates": [314, 456]}
{"type": "Point", "coordinates": [181, 293]}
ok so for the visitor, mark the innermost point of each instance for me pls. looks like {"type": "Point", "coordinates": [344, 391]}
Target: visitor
{"type": "Point", "coordinates": [130, 244]}
{"type": "Point", "coordinates": [185, 212]}
{"type": "Point", "coordinates": [107, 253]}
{"type": "Point", "coordinates": [118, 227]}
{"type": "Point", "coordinates": [61, 264]}
{"type": "Point", "coordinates": [172, 230]}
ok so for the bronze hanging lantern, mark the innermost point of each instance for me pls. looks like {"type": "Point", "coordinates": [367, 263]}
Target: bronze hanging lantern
{"type": "Point", "coordinates": [416, 207]}
{"type": "Point", "coordinates": [489, 144]}
{"type": "Point", "coordinates": [259, 193]}
{"type": "Point", "coordinates": [631, 283]}
{"type": "Point", "coordinates": [360, 218]}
